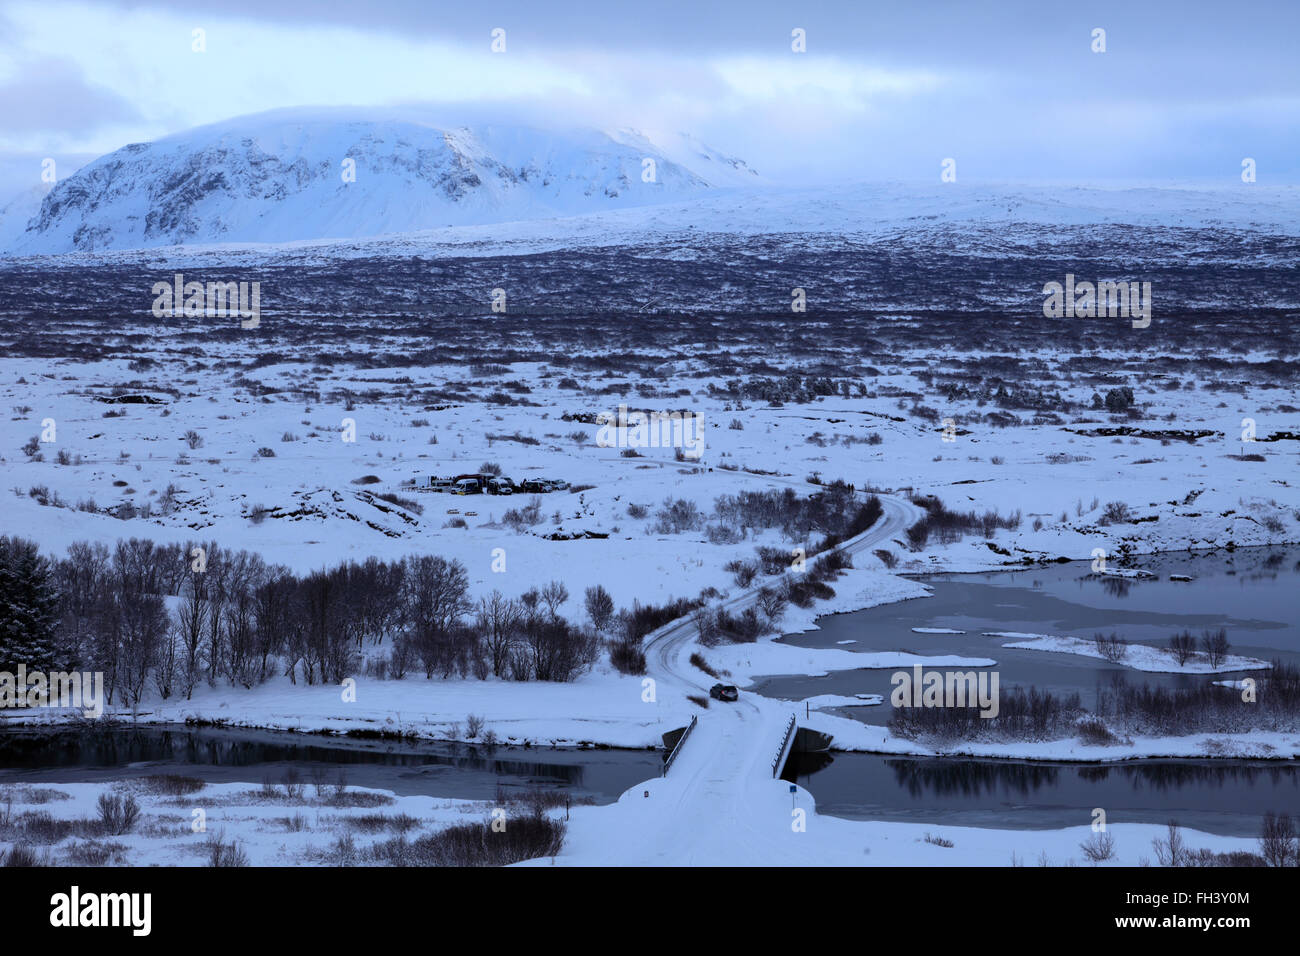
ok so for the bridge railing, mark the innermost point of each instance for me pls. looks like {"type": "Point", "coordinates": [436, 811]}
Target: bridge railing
{"type": "Point", "coordinates": [780, 751]}
{"type": "Point", "coordinates": [677, 748]}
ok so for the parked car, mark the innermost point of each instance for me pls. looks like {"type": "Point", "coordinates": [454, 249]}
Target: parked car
{"type": "Point", "coordinates": [557, 484]}
{"type": "Point", "coordinates": [533, 486]}
{"type": "Point", "coordinates": [500, 486]}
{"type": "Point", "coordinates": [725, 692]}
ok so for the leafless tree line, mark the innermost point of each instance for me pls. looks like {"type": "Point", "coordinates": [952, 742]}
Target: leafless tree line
{"type": "Point", "coordinates": [234, 619]}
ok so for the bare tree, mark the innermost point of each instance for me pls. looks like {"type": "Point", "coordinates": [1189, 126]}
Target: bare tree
{"type": "Point", "coordinates": [273, 614]}
{"type": "Point", "coordinates": [1171, 851]}
{"type": "Point", "coordinates": [1278, 843]}
{"type": "Point", "coordinates": [706, 622]}
{"type": "Point", "coordinates": [554, 595]}
{"type": "Point", "coordinates": [191, 625]}
{"type": "Point", "coordinates": [143, 623]}
{"type": "Point", "coordinates": [600, 608]}
{"type": "Point", "coordinates": [436, 598]}
{"type": "Point", "coordinates": [327, 638]}
{"type": "Point", "coordinates": [240, 641]}
{"type": "Point", "coordinates": [1215, 645]}
{"type": "Point", "coordinates": [1098, 847]}
{"type": "Point", "coordinates": [82, 582]}
{"type": "Point", "coordinates": [556, 650]}
{"type": "Point", "coordinates": [498, 624]}
{"type": "Point", "coordinates": [167, 666]}
{"type": "Point", "coordinates": [1113, 648]}
{"type": "Point", "coordinates": [1182, 646]}
{"type": "Point", "coordinates": [772, 602]}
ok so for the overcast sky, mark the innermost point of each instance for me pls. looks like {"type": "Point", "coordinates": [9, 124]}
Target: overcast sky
{"type": "Point", "coordinates": [1011, 90]}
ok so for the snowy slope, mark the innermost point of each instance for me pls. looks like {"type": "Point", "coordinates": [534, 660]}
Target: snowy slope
{"type": "Point", "coordinates": [284, 176]}
{"type": "Point", "coordinates": [986, 219]}
{"type": "Point", "coordinates": [18, 209]}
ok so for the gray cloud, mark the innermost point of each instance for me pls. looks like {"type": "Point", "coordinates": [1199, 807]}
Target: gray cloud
{"type": "Point", "coordinates": [53, 96]}
{"type": "Point", "coordinates": [1184, 90]}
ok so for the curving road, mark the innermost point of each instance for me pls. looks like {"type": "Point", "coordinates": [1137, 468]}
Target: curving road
{"type": "Point", "coordinates": [719, 805]}
{"type": "Point", "coordinates": [667, 649]}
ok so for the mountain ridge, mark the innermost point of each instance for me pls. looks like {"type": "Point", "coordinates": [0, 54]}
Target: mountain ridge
{"type": "Point", "coordinates": [289, 176]}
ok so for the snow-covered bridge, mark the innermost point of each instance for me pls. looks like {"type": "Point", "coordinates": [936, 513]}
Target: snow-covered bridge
{"type": "Point", "coordinates": [722, 802]}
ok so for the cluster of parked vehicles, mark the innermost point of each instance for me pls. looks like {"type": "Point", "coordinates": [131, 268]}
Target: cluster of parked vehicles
{"type": "Point", "coordinates": [480, 484]}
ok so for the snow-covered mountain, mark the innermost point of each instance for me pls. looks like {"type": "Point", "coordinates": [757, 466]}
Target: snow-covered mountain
{"type": "Point", "coordinates": [17, 210]}
{"type": "Point", "coordinates": [291, 175]}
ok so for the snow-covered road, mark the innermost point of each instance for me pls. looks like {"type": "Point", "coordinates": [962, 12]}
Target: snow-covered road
{"type": "Point", "coordinates": [719, 804]}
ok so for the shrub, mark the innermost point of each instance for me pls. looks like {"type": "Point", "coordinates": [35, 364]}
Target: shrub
{"type": "Point", "coordinates": [697, 659]}
{"type": "Point", "coordinates": [675, 517]}
{"type": "Point", "coordinates": [627, 657]}
{"type": "Point", "coordinates": [410, 504]}
{"type": "Point", "coordinates": [804, 592]}
{"type": "Point", "coordinates": [293, 785]}
{"type": "Point", "coordinates": [520, 519]}
{"type": "Point", "coordinates": [772, 602]}
{"type": "Point", "coordinates": [949, 526]}
{"type": "Point", "coordinates": [722, 534]}
{"type": "Point", "coordinates": [476, 844]}
{"type": "Point", "coordinates": [642, 619]}
{"type": "Point", "coordinates": [92, 853]}
{"type": "Point", "coordinates": [118, 813]}
{"type": "Point", "coordinates": [20, 855]}
{"type": "Point", "coordinates": [742, 572]}
{"type": "Point", "coordinates": [223, 854]}
{"type": "Point", "coordinates": [174, 785]}
{"type": "Point", "coordinates": [1098, 847]}
{"type": "Point", "coordinates": [378, 822]}
{"type": "Point", "coordinates": [1116, 512]}
{"type": "Point", "coordinates": [1113, 648]}
{"type": "Point", "coordinates": [1093, 731]}
{"type": "Point", "coordinates": [773, 560]}
{"type": "Point", "coordinates": [1022, 715]}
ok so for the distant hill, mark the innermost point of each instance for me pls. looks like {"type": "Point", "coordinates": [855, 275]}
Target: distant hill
{"type": "Point", "coordinates": [282, 176]}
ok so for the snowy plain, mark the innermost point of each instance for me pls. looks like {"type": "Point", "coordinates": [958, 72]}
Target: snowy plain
{"type": "Point", "coordinates": [310, 504]}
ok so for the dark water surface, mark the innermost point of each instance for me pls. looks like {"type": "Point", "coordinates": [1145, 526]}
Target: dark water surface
{"type": "Point", "coordinates": [1224, 797]}
{"type": "Point", "coordinates": [461, 771]}
{"type": "Point", "coordinates": [1253, 593]}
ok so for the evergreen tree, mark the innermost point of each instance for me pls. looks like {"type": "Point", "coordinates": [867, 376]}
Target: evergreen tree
{"type": "Point", "coordinates": [28, 607]}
